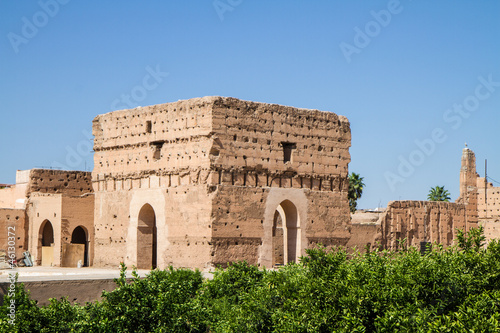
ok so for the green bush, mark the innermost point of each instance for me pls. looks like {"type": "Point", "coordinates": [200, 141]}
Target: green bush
{"type": "Point", "coordinates": [456, 289]}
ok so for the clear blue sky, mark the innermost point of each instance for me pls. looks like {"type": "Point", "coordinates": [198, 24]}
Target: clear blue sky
{"type": "Point", "coordinates": [397, 70]}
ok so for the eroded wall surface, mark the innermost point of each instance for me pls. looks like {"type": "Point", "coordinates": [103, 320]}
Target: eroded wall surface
{"type": "Point", "coordinates": [366, 230]}
{"type": "Point", "coordinates": [59, 181]}
{"type": "Point", "coordinates": [419, 221]}
{"type": "Point", "coordinates": [13, 224]}
{"type": "Point", "coordinates": [78, 211]}
{"type": "Point", "coordinates": [266, 154]}
{"type": "Point", "coordinates": [488, 200]}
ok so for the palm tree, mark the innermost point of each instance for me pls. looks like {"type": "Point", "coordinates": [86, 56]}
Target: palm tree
{"type": "Point", "coordinates": [438, 193]}
{"type": "Point", "coordinates": [356, 186]}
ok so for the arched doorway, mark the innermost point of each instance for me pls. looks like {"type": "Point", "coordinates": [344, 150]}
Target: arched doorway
{"type": "Point", "coordinates": [146, 238]}
{"type": "Point", "coordinates": [286, 234]}
{"type": "Point", "coordinates": [278, 240]}
{"type": "Point", "coordinates": [46, 244]}
{"type": "Point", "coordinates": [79, 236]}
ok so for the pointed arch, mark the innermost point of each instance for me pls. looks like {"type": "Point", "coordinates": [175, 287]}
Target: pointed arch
{"type": "Point", "coordinates": [80, 236]}
{"type": "Point", "coordinates": [147, 238]}
{"type": "Point", "coordinates": [45, 244]}
{"type": "Point", "coordinates": [286, 234]}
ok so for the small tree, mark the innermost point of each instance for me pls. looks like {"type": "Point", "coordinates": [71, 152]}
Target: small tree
{"type": "Point", "coordinates": [356, 186]}
{"type": "Point", "coordinates": [438, 193]}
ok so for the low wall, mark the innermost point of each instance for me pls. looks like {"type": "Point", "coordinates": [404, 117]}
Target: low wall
{"type": "Point", "coordinates": [77, 291]}
{"type": "Point", "coordinates": [363, 235]}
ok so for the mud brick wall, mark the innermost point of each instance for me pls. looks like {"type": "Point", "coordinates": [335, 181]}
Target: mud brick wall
{"type": "Point", "coordinates": [419, 221]}
{"type": "Point", "coordinates": [17, 219]}
{"type": "Point", "coordinates": [78, 212]}
{"type": "Point", "coordinates": [488, 205]}
{"type": "Point", "coordinates": [491, 228]}
{"type": "Point", "coordinates": [153, 139]}
{"type": "Point", "coordinates": [258, 147]}
{"type": "Point", "coordinates": [254, 137]}
{"type": "Point", "coordinates": [60, 181]}
{"type": "Point", "coordinates": [364, 236]}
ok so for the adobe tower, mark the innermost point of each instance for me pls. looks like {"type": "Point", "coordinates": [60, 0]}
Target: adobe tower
{"type": "Point", "coordinates": [207, 181]}
{"type": "Point", "coordinates": [468, 187]}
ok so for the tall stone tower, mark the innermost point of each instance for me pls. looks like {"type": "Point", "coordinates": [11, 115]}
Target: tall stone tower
{"type": "Point", "coordinates": [468, 187]}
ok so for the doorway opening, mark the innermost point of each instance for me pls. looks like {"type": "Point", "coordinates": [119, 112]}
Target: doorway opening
{"type": "Point", "coordinates": [147, 238]}
{"type": "Point", "coordinates": [286, 234]}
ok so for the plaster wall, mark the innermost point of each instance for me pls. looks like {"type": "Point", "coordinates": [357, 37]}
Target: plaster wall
{"type": "Point", "coordinates": [13, 197]}
{"type": "Point", "coordinates": [45, 207]}
{"type": "Point", "coordinates": [489, 205]}
{"type": "Point", "coordinates": [13, 224]}
{"type": "Point", "coordinates": [78, 211]}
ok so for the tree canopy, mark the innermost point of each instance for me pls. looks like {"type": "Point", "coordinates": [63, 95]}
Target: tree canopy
{"type": "Point", "coordinates": [356, 187]}
{"type": "Point", "coordinates": [438, 193]}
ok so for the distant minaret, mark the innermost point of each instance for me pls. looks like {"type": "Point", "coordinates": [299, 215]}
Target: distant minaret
{"type": "Point", "coordinates": [468, 186]}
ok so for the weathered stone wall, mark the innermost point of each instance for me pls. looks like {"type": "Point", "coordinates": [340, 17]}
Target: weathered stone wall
{"type": "Point", "coordinates": [78, 211]}
{"type": "Point", "coordinates": [266, 154]}
{"type": "Point", "coordinates": [182, 215]}
{"type": "Point", "coordinates": [59, 181]}
{"type": "Point", "coordinates": [468, 185]}
{"type": "Point", "coordinates": [366, 230]}
{"type": "Point", "coordinates": [44, 209]}
{"type": "Point", "coordinates": [166, 140]}
{"type": "Point", "coordinates": [253, 137]}
{"type": "Point", "coordinates": [488, 206]}
{"type": "Point", "coordinates": [364, 236]}
{"type": "Point", "coordinates": [77, 291]}
{"type": "Point", "coordinates": [491, 228]}
{"type": "Point", "coordinates": [13, 223]}
{"type": "Point", "coordinates": [215, 170]}
{"type": "Point", "coordinates": [418, 221]}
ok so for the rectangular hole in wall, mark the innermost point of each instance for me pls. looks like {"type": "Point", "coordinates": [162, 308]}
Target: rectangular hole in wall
{"type": "Point", "coordinates": [157, 145]}
{"type": "Point", "coordinates": [288, 148]}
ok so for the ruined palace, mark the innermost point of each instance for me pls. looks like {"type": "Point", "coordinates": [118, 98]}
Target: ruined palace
{"type": "Point", "coordinates": [208, 181]}
{"type": "Point", "coordinates": [212, 180]}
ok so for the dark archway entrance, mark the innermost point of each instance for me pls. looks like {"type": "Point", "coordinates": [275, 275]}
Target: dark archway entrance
{"type": "Point", "coordinates": [286, 234]}
{"type": "Point", "coordinates": [146, 238]}
{"type": "Point", "coordinates": [46, 244]}
{"type": "Point", "coordinates": [79, 236]}
{"type": "Point", "coordinates": [278, 254]}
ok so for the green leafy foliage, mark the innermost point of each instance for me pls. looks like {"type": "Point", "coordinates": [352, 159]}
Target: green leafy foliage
{"type": "Point", "coordinates": [455, 289]}
{"type": "Point", "coordinates": [355, 192]}
{"type": "Point", "coordinates": [438, 193]}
